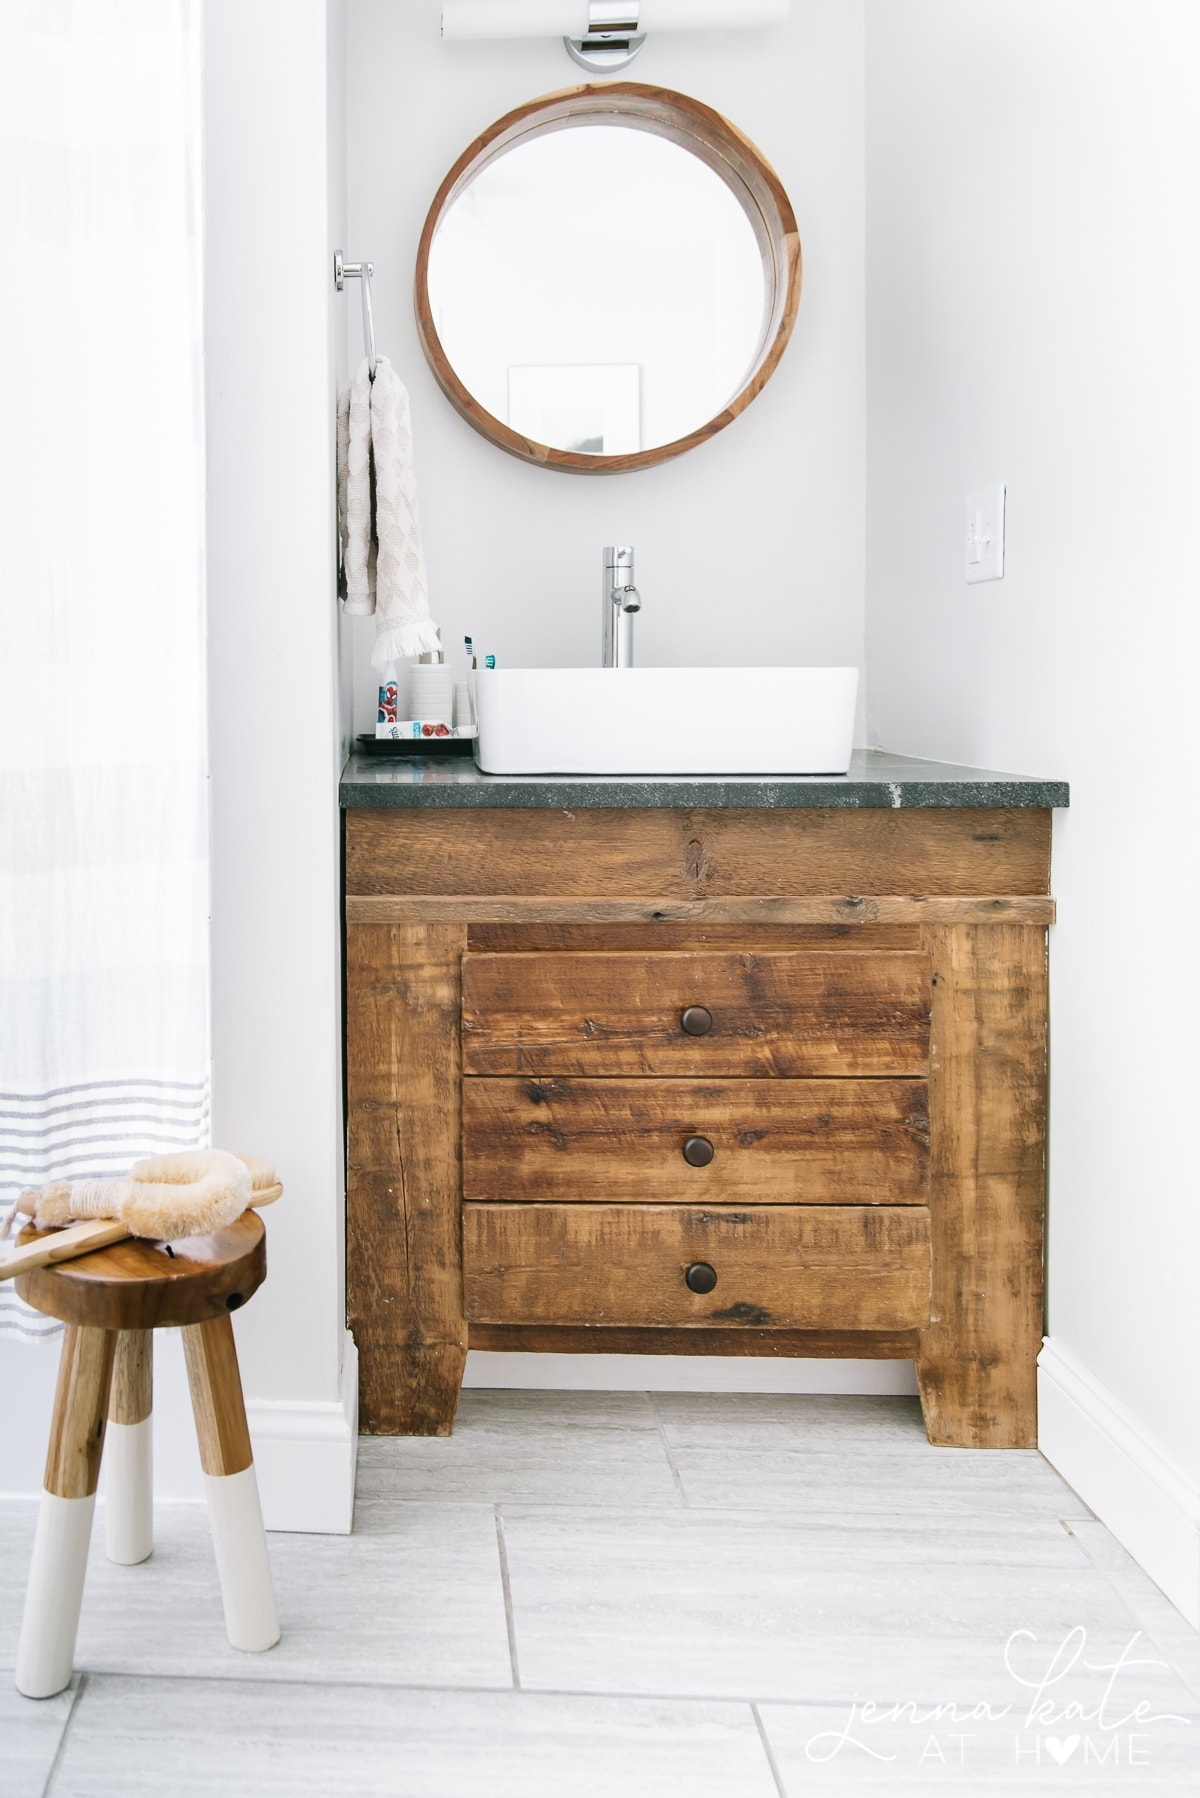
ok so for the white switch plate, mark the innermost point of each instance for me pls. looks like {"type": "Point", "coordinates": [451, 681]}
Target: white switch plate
{"type": "Point", "coordinates": [985, 535]}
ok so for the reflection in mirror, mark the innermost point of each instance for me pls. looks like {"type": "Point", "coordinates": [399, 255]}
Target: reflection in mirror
{"type": "Point", "coordinates": [599, 290]}
{"type": "Point", "coordinates": [607, 277]}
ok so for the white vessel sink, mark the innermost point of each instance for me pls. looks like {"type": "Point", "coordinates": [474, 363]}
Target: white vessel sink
{"type": "Point", "coordinates": [666, 720]}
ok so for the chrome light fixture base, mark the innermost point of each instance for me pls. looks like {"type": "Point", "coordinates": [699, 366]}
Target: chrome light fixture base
{"type": "Point", "coordinates": [612, 39]}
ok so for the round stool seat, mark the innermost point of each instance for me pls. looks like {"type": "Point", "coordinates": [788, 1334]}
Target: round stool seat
{"type": "Point", "coordinates": [138, 1285]}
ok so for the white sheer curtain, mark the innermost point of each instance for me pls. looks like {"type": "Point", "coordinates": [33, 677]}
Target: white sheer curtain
{"type": "Point", "coordinates": [103, 837]}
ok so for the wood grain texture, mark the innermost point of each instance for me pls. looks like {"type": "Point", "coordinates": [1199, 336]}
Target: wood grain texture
{"type": "Point", "coordinates": [977, 1365]}
{"type": "Point", "coordinates": [132, 1397]}
{"type": "Point", "coordinates": [788, 1267]}
{"type": "Point", "coordinates": [905, 911]}
{"type": "Point", "coordinates": [788, 1015]}
{"type": "Point", "coordinates": [46, 1248]}
{"type": "Point", "coordinates": [596, 1339]}
{"type": "Point", "coordinates": [966, 889]}
{"type": "Point", "coordinates": [705, 134]}
{"type": "Point", "coordinates": [777, 1142]}
{"type": "Point", "coordinates": [137, 1285]}
{"type": "Point", "coordinates": [217, 1404]}
{"type": "Point", "coordinates": [404, 1274]}
{"type": "Point", "coordinates": [656, 857]}
{"type": "Point", "coordinates": [80, 1412]}
{"type": "Point", "coordinates": [536, 936]}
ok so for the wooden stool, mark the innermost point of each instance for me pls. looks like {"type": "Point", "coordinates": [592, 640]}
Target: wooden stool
{"type": "Point", "coordinates": [112, 1301]}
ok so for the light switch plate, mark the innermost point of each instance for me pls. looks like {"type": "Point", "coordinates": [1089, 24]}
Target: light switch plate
{"type": "Point", "coordinates": [985, 535]}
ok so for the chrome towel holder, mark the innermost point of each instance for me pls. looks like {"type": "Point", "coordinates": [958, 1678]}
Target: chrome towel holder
{"type": "Point", "coordinates": [361, 272]}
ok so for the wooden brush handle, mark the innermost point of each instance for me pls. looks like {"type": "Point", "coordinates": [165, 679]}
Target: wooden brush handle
{"type": "Point", "coordinates": [81, 1239]}
{"type": "Point", "coordinates": [64, 1245]}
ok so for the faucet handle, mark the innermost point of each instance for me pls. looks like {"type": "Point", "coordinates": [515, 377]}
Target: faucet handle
{"type": "Point", "coordinates": [619, 556]}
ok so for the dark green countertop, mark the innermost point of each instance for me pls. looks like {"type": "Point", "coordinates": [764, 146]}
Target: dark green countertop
{"type": "Point", "coordinates": [876, 778]}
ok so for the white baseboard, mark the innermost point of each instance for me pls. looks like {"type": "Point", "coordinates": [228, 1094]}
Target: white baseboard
{"type": "Point", "coordinates": [305, 1454]}
{"type": "Point", "coordinates": [1132, 1481]}
{"type": "Point", "coordinates": [304, 1451]}
{"type": "Point", "coordinates": [685, 1373]}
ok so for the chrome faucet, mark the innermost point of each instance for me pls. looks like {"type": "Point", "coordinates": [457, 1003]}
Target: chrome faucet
{"type": "Point", "coordinates": [620, 605]}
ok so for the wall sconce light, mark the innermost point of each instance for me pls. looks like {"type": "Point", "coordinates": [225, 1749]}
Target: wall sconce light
{"type": "Point", "coordinates": [613, 30]}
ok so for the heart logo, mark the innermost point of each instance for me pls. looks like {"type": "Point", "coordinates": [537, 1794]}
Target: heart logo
{"type": "Point", "coordinates": [1061, 1751]}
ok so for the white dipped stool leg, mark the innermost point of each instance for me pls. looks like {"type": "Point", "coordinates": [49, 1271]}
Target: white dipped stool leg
{"type": "Point", "coordinates": [240, 1542]}
{"type": "Point", "coordinates": [54, 1594]}
{"type": "Point", "coordinates": [128, 1464]}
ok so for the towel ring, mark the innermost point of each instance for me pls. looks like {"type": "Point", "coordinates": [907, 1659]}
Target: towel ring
{"type": "Point", "coordinates": [361, 272]}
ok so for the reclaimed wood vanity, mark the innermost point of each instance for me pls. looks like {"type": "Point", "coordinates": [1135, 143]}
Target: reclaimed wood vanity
{"type": "Point", "coordinates": [698, 1066]}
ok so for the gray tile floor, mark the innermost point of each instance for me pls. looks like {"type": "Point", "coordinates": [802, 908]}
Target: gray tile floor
{"type": "Point", "coordinates": [603, 1595]}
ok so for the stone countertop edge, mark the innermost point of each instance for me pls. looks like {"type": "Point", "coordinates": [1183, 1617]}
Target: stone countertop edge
{"type": "Point", "coordinates": [877, 779]}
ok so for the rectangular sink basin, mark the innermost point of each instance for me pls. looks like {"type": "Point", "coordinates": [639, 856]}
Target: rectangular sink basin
{"type": "Point", "coordinates": [666, 720]}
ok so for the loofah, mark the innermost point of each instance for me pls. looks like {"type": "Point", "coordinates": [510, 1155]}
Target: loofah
{"type": "Point", "coordinates": [65, 1202]}
{"type": "Point", "coordinates": [191, 1194]}
{"type": "Point", "coordinates": [164, 1197]}
{"type": "Point", "coordinates": [52, 1205]}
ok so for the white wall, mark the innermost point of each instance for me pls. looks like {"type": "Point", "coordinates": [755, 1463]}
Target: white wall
{"type": "Point", "coordinates": [274, 129]}
{"type": "Point", "coordinates": [748, 548]}
{"type": "Point", "coordinates": [1033, 232]}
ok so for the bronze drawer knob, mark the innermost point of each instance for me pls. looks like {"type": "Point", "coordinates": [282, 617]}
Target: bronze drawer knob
{"type": "Point", "coordinates": [696, 1020]}
{"type": "Point", "coordinates": [700, 1277]}
{"type": "Point", "coordinates": [698, 1151]}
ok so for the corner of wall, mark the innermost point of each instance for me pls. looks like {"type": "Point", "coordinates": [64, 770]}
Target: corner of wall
{"type": "Point", "coordinates": [305, 1454]}
{"type": "Point", "coordinates": [1127, 1476]}
{"type": "Point", "coordinates": [274, 112]}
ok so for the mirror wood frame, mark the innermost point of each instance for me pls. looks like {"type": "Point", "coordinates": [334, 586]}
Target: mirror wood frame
{"type": "Point", "coordinates": [725, 150]}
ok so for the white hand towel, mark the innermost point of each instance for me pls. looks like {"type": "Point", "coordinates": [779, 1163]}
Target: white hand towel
{"type": "Point", "coordinates": [343, 481]}
{"type": "Point", "coordinates": [355, 498]}
{"type": "Point", "coordinates": [403, 626]}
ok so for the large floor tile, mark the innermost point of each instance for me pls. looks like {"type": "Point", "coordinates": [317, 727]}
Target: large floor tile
{"type": "Point", "coordinates": [421, 1605]}
{"type": "Point", "coordinates": [769, 1420]}
{"type": "Point", "coordinates": [752, 1605]}
{"type": "Point", "coordinates": [143, 1738]}
{"type": "Point", "coordinates": [484, 1408]}
{"type": "Point", "coordinates": [17, 1519]}
{"type": "Point", "coordinates": [1163, 1623]}
{"type": "Point", "coordinates": [841, 1754]}
{"type": "Point", "coordinates": [922, 1480]}
{"type": "Point", "coordinates": [819, 1452]}
{"type": "Point", "coordinates": [30, 1731]}
{"type": "Point", "coordinates": [525, 1448]}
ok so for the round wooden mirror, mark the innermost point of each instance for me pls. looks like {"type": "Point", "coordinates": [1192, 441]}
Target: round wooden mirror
{"type": "Point", "coordinates": [607, 277]}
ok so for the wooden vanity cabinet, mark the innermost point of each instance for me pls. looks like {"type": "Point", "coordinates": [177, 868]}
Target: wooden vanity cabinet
{"type": "Point", "coordinates": [763, 1082]}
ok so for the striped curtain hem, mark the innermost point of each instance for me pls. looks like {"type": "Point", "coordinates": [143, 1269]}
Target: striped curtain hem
{"type": "Point", "coordinates": [94, 1129]}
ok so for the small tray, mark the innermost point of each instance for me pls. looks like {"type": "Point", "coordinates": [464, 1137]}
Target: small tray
{"type": "Point", "coordinates": [369, 744]}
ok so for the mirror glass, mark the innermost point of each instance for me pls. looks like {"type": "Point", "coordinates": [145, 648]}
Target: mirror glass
{"type": "Point", "coordinates": [599, 290]}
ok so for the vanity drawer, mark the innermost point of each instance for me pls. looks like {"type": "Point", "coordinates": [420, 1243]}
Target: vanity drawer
{"type": "Point", "coordinates": [799, 1267]}
{"type": "Point", "coordinates": [772, 1142]}
{"type": "Point", "coordinates": [746, 1013]}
